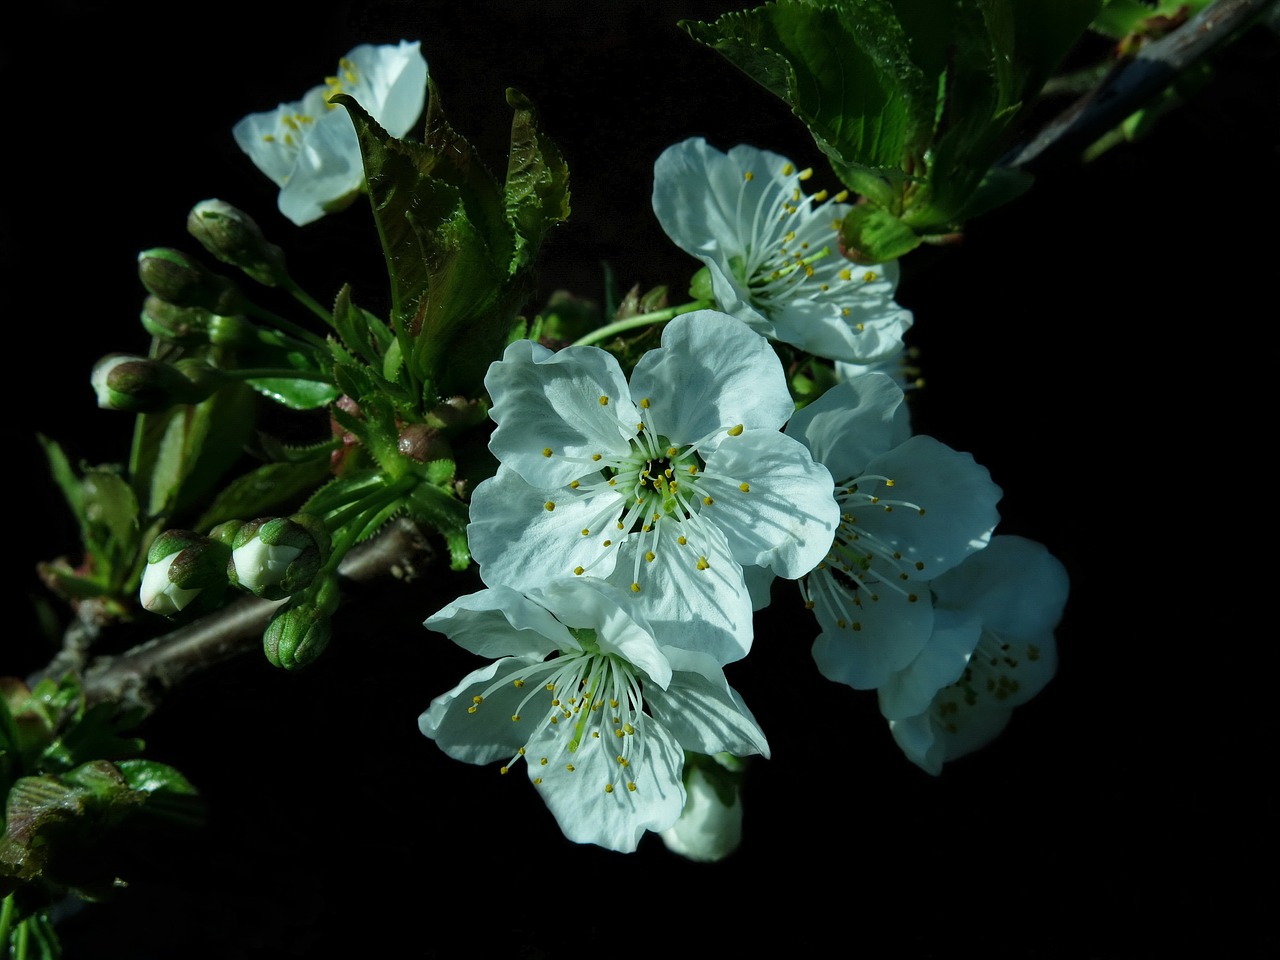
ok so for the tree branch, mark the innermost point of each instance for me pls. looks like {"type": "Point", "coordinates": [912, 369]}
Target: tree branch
{"type": "Point", "coordinates": [142, 676]}
{"type": "Point", "coordinates": [1134, 83]}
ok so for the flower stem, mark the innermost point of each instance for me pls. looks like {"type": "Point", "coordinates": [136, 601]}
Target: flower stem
{"type": "Point", "coordinates": [289, 327]}
{"type": "Point", "coordinates": [644, 319]}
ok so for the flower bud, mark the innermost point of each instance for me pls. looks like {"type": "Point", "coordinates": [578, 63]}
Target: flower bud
{"type": "Point", "coordinates": [142, 385]}
{"type": "Point", "coordinates": [275, 557]}
{"type": "Point", "coordinates": [175, 278]}
{"type": "Point", "coordinates": [192, 326]}
{"type": "Point", "coordinates": [234, 237]}
{"type": "Point", "coordinates": [710, 825]}
{"type": "Point", "coordinates": [180, 564]}
{"type": "Point", "coordinates": [300, 631]}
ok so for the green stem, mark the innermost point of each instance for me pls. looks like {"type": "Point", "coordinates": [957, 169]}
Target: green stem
{"type": "Point", "coordinates": [308, 301]}
{"type": "Point", "coordinates": [6, 920]}
{"type": "Point", "coordinates": [644, 319]}
{"type": "Point", "coordinates": [289, 327]}
{"type": "Point", "coordinates": [366, 505]}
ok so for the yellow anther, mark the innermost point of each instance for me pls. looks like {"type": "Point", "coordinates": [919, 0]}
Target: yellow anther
{"type": "Point", "coordinates": [569, 767]}
{"type": "Point", "coordinates": [573, 485]}
{"type": "Point", "coordinates": [613, 703]}
{"type": "Point", "coordinates": [702, 563]}
{"type": "Point", "coordinates": [644, 403]}
{"type": "Point", "coordinates": [543, 761]}
{"type": "Point", "coordinates": [735, 431]}
{"type": "Point", "coordinates": [471, 709]}
{"type": "Point", "coordinates": [477, 699]}
{"type": "Point", "coordinates": [515, 718]}
{"type": "Point", "coordinates": [693, 468]}
{"type": "Point", "coordinates": [805, 174]}
{"type": "Point", "coordinates": [869, 276]}
{"type": "Point", "coordinates": [629, 728]}
{"type": "Point", "coordinates": [860, 327]}
{"type": "Point", "coordinates": [586, 532]}
{"type": "Point", "coordinates": [631, 785]}
{"type": "Point", "coordinates": [791, 235]}
{"type": "Point", "coordinates": [888, 483]}
{"type": "Point", "coordinates": [649, 555]}
{"type": "Point", "coordinates": [604, 401]}
{"type": "Point", "coordinates": [546, 451]}
{"type": "Point", "coordinates": [595, 456]}
{"type": "Point", "coordinates": [672, 451]}
{"type": "Point", "coordinates": [617, 733]}
{"type": "Point", "coordinates": [635, 588]}
{"type": "Point", "coordinates": [707, 501]}
{"type": "Point", "coordinates": [608, 788]}
{"type": "Point", "coordinates": [551, 687]}
{"type": "Point", "coordinates": [846, 274]}
{"type": "Point", "coordinates": [844, 311]}
{"type": "Point", "coordinates": [537, 780]}
{"type": "Point", "coordinates": [788, 169]}
{"type": "Point", "coordinates": [748, 176]}
{"type": "Point", "coordinates": [517, 683]}
{"type": "Point", "coordinates": [841, 197]}
{"type": "Point", "coordinates": [681, 540]}
{"type": "Point", "coordinates": [808, 270]}
{"type": "Point", "coordinates": [606, 543]}
{"type": "Point", "coordinates": [820, 196]}
{"type": "Point", "coordinates": [919, 564]}
{"type": "Point", "coordinates": [744, 487]}
{"type": "Point", "coordinates": [503, 769]}
{"type": "Point", "coordinates": [550, 505]}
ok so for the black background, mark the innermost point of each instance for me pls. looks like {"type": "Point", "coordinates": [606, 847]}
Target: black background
{"type": "Point", "coordinates": [1092, 344]}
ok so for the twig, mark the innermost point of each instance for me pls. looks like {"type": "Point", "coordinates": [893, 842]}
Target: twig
{"type": "Point", "coordinates": [1133, 84]}
{"type": "Point", "coordinates": [142, 676]}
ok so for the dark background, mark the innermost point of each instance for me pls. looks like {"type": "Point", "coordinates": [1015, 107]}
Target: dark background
{"type": "Point", "coordinates": [1093, 344]}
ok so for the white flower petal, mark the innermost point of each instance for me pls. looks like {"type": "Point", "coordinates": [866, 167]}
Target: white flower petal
{"type": "Point", "coordinates": [852, 423]}
{"type": "Point", "coordinates": [574, 403]}
{"type": "Point", "coordinates": [591, 796]}
{"type": "Point", "coordinates": [863, 645]}
{"type": "Point", "coordinates": [703, 712]}
{"type": "Point", "coordinates": [786, 516]}
{"type": "Point", "coordinates": [911, 690]}
{"type": "Point", "coordinates": [501, 622]}
{"type": "Point", "coordinates": [478, 736]}
{"type": "Point", "coordinates": [711, 373]}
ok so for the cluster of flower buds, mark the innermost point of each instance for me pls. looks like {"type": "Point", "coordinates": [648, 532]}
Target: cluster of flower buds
{"type": "Point", "coordinates": [300, 630]}
{"type": "Point", "coordinates": [271, 557]}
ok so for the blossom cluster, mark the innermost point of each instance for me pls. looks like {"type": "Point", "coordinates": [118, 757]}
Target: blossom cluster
{"type": "Point", "coordinates": [634, 525]}
{"type": "Point", "coordinates": [637, 519]}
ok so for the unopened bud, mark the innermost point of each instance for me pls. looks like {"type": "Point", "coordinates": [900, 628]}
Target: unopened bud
{"type": "Point", "coordinates": [275, 557]}
{"type": "Point", "coordinates": [191, 326]}
{"type": "Point", "coordinates": [142, 385]}
{"type": "Point", "coordinates": [234, 237]}
{"type": "Point", "coordinates": [300, 631]}
{"type": "Point", "coordinates": [181, 564]}
{"type": "Point", "coordinates": [710, 825]}
{"type": "Point", "coordinates": [175, 278]}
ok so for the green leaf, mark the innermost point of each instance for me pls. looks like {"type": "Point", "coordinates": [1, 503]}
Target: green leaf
{"type": "Point", "coordinates": [446, 514]}
{"type": "Point", "coordinates": [269, 489]}
{"type": "Point", "coordinates": [363, 333]}
{"type": "Point", "coordinates": [64, 476]}
{"type": "Point", "coordinates": [537, 187]}
{"type": "Point", "coordinates": [442, 220]}
{"type": "Point", "coordinates": [844, 69]}
{"type": "Point", "coordinates": [873, 235]}
{"type": "Point", "coordinates": [296, 394]}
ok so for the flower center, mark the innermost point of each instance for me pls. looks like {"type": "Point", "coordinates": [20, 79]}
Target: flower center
{"type": "Point", "coordinates": [656, 493]}
{"type": "Point", "coordinates": [860, 565]}
{"type": "Point", "coordinates": [576, 696]}
{"type": "Point", "coordinates": [788, 242]}
{"type": "Point", "coordinates": [991, 672]}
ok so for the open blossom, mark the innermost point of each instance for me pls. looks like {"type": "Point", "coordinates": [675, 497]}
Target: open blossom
{"type": "Point", "coordinates": [993, 649]}
{"type": "Point", "coordinates": [666, 486]}
{"type": "Point", "coordinates": [309, 147]}
{"type": "Point", "coordinates": [911, 509]}
{"type": "Point", "coordinates": [773, 253]}
{"type": "Point", "coordinates": [584, 695]}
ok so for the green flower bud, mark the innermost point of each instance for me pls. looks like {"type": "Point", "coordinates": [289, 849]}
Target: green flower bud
{"type": "Point", "coordinates": [234, 237]}
{"type": "Point", "coordinates": [300, 631]}
{"type": "Point", "coordinates": [141, 385]}
{"type": "Point", "coordinates": [192, 326]}
{"type": "Point", "coordinates": [275, 557]}
{"type": "Point", "coordinates": [181, 564]}
{"type": "Point", "coordinates": [174, 277]}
